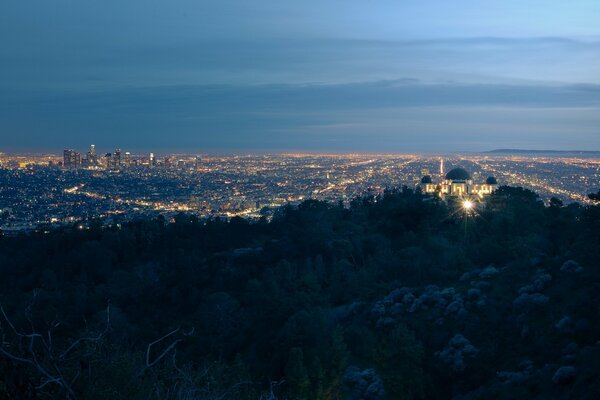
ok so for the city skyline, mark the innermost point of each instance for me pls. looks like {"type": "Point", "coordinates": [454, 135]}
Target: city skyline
{"type": "Point", "coordinates": [40, 192]}
{"type": "Point", "coordinates": [141, 151]}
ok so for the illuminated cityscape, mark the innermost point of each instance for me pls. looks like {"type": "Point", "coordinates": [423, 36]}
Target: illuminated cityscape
{"type": "Point", "coordinates": [41, 191]}
{"type": "Point", "coordinates": [313, 200]}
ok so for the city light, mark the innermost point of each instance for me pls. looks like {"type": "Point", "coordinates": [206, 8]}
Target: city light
{"type": "Point", "coordinates": [47, 192]}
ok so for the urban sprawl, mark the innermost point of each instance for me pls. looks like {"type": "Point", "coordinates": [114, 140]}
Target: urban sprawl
{"type": "Point", "coordinates": [38, 192]}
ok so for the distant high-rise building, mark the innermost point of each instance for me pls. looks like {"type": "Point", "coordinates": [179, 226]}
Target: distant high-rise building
{"type": "Point", "coordinates": [152, 159]}
{"type": "Point", "coordinates": [71, 159]}
{"type": "Point", "coordinates": [127, 159]}
{"type": "Point", "coordinates": [197, 161]}
{"type": "Point", "coordinates": [117, 158]}
{"type": "Point", "coordinates": [91, 156]}
{"type": "Point", "coordinates": [108, 161]}
{"type": "Point", "coordinates": [67, 158]}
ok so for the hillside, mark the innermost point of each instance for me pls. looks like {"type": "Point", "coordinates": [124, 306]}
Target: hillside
{"type": "Point", "coordinates": [394, 297]}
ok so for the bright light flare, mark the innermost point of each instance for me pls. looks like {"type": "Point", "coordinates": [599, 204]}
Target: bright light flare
{"type": "Point", "coordinates": [467, 205]}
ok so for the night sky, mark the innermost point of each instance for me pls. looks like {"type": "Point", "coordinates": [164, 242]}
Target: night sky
{"type": "Point", "coordinates": [315, 75]}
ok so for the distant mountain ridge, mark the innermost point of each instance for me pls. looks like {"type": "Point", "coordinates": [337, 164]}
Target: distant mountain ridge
{"type": "Point", "coordinates": [587, 153]}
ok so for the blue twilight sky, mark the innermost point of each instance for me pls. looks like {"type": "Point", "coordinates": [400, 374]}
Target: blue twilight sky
{"type": "Point", "coordinates": [318, 75]}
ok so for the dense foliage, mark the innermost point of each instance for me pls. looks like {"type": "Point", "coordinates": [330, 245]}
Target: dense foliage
{"type": "Point", "coordinates": [398, 296]}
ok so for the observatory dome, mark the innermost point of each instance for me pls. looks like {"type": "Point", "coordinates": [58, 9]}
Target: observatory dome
{"type": "Point", "coordinates": [458, 174]}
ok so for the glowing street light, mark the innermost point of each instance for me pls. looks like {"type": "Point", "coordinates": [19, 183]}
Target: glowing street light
{"type": "Point", "coordinates": [467, 205]}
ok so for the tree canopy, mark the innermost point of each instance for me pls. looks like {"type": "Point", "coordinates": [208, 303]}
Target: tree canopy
{"type": "Point", "coordinates": [396, 296]}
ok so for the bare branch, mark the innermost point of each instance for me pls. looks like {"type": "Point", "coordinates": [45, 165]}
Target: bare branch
{"type": "Point", "coordinates": [148, 364]}
{"type": "Point", "coordinates": [89, 339]}
{"type": "Point", "coordinates": [42, 358]}
{"type": "Point", "coordinates": [190, 332]}
{"type": "Point", "coordinates": [15, 358]}
{"type": "Point", "coordinates": [47, 382]}
{"type": "Point", "coordinates": [16, 332]}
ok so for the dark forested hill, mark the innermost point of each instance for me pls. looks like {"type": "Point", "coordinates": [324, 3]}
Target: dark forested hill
{"type": "Point", "coordinates": [395, 297]}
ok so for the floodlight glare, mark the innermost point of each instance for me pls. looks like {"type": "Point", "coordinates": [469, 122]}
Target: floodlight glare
{"type": "Point", "coordinates": [467, 205]}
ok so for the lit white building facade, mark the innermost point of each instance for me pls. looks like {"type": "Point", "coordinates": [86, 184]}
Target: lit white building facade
{"type": "Point", "coordinates": [458, 182]}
